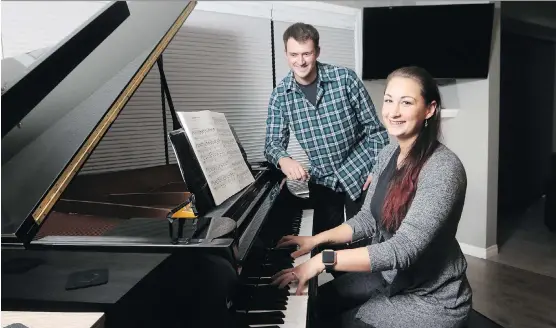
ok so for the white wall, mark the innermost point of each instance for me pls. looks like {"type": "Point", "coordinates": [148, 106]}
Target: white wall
{"type": "Point", "coordinates": [473, 136]}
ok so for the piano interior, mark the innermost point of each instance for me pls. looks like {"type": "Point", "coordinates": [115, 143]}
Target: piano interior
{"type": "Point", "coordinates": [102, 204]}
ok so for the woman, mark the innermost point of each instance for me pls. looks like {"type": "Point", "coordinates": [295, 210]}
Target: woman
{"type": "Point", "coordinates": [413, 273]}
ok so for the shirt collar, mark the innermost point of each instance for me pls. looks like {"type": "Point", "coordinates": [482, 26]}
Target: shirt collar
{"type": "Point", "coordinates": [322, 76]}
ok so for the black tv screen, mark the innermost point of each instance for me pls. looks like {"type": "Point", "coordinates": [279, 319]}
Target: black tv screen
{"type": "Point", "coordinates": [449, 41]}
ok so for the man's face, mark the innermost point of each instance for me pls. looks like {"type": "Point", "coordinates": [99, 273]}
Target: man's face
{"type": "Point", "coordinates": [302, 57]}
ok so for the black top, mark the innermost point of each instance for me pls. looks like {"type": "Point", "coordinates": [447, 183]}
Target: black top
{"type": "Point", "coordinates": [310, 91]}
{"type": "Point", "coordinates": [382, 186]}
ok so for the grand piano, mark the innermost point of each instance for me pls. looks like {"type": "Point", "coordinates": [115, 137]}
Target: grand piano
{"type": "Point", "coordinates": [148, 247]}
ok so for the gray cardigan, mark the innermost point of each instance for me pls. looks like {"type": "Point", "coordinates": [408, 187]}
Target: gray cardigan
{"type": "Point", "coordinates": [422, 262]}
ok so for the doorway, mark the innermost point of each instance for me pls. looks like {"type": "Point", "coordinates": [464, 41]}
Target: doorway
{"type": "Point", "coordinates": [527, 109]}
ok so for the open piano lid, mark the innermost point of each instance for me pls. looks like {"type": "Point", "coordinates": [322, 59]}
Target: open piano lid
{"type": "Point", "coordinates": [49, 142]}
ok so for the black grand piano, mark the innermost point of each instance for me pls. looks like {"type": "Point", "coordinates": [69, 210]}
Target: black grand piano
{"type": "Point", "coordinates": [147, 247]}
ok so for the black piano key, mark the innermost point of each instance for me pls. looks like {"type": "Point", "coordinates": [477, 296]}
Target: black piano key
{"type": "Point", "coordinates": [261, 318]}
{"type": "Point", "coordinates": [286, 249]}
{"type": "Point", "coordinates": [264, 281]}
{"type": "Point", "coordinates": [254, 305]}
{"type": "Point", "coordinates": [261, 290]}
{"type": "Point", "coordinates": [277, 264]}
{"type": "Point", "coordinates": [264, 260]}
{"type": "Point", "coordinates": [275, 302]}
{"type": "Point", "coordinates": [255, 280]}
{"type": "Point", "coordinates": [268, 271]}
{"type": "Point", "coordinates": [244, 325]}
{"type": "Point", "coordinates": [264, 295]}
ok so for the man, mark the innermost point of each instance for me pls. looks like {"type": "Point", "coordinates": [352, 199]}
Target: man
{"type": "Point", "coordinates": [332, 116]}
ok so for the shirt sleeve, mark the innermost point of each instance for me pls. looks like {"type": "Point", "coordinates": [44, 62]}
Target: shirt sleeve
{"type": "Point", "coordinates": [376, 136]}
{"type": "Point", "coordinates": [277, 131]}
{"type": "Point", "coordinates": [440, 193]}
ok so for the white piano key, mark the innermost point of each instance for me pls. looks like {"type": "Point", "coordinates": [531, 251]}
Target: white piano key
{"type": "Point", "coordinates": [295, 315]}
{"type": "Point", "coordinates": [305, 229]}
{"type": "Point", "coordinates": [296, 308]}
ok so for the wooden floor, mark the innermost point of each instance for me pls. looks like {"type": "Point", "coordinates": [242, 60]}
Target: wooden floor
{"type": "Point", "coordinates": [526, 243]}
{"type": "Point", "coordinates": [512, 297]}
{"type": "Point", "coordinates": [517, 287]}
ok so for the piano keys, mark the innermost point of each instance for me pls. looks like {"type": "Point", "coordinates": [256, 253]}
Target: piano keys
{"type": "Point", "coordinates": [263, 305]}
{"type": "Point", "coordinates": [57, 221]}
{"type": "Point", "coordinates": [260, 304]}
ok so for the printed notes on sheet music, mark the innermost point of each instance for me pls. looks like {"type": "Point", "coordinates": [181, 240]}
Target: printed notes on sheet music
{"type": "Point", "coordinates": [217, 152]}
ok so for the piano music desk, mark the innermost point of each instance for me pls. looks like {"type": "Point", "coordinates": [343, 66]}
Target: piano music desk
{"type": "Point", "coordinates": [53, 319]}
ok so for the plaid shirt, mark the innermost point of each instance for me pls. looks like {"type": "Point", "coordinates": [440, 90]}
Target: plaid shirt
{"type": "Point", "coordinates": [342, 136]}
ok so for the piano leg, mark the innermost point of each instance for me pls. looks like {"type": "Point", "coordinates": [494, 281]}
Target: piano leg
{"type": "Point", "coordinates": [262, 305]}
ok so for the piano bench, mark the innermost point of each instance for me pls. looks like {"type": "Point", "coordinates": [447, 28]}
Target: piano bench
{"type": "Point", "coordinates": [477, 320]}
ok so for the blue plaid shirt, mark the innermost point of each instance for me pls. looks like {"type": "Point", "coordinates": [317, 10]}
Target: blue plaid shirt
{"type": "Point", "coordinates": [342, 135]}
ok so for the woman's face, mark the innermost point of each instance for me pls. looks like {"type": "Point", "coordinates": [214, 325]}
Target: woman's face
{"type": "Point", "coordinates": [404, 110]}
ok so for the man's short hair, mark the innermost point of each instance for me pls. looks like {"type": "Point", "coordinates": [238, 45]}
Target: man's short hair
{"type": "Point", "coordinates": [302, 32]}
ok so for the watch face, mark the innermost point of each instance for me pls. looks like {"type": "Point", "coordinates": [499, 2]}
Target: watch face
{"type": "Point", "coordinates": [328, 257]}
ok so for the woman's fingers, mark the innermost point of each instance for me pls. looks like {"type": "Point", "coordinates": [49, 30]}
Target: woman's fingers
{"type": "Point", "coordinates": [300, 286]}
{"type": "Point", "coordinates": [284, 278]}
{"type": "Point", "coordinates": [280, 273]}
{"type": "Point", "coordinates": [288, 277]}
{"type": "Point", "coordinates": [285, 238]}
{"type": "Point", "coordinates": [286, 241]}
{"type": "Point", "coordinates": [298, 253]}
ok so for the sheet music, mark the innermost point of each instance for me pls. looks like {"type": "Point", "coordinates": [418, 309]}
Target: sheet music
{"type": "Point", "coordinates": [218, 153]}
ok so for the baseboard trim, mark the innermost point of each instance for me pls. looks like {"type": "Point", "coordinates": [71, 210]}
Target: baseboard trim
{"type": "Point", "coordinates": [483, 253]}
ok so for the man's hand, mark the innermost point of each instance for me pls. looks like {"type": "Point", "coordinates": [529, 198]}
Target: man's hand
{"type": "Point", "coordinates": [367, 183]}
{"type": "Point", "coordinates": [292, 169]}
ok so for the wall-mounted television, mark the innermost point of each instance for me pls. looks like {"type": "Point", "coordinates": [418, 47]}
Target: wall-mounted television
{"type": "Point", "coordinates": [449, 41]}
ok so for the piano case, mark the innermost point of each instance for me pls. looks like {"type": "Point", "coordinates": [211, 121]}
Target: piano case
{"type": "Point", "coordinates": [41, 178]}
{"type": "Point", "coordinates": [114, 225]}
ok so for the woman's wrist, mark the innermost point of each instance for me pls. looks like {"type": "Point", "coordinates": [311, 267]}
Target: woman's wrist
{"type": "Point", "coordinates": [318, 239]}
{"type": "Point", "coordinates": [319, 263]}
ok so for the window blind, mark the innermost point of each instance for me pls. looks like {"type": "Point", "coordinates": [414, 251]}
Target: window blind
{"type": "Point", "coordinates": [222, 62]}
{"type": "Point", "coordinates": [217, 61]}
{"type": "Point", "coordinates": [337, 47]}
{"type": "Point", "coordinates": [136, 138]}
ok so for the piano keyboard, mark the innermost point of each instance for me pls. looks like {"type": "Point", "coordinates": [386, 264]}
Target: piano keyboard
{"type": "Point", "coordinates": [270, 307]}
{"type": "Point", "coordinates": [305, 229]}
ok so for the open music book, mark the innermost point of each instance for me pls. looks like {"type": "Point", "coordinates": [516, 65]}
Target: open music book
{"type": "Point", "coordinates": [217, 152]}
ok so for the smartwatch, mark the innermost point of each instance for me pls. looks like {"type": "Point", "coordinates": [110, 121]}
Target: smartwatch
{"type": "Point", "coordinates": [329, 259]}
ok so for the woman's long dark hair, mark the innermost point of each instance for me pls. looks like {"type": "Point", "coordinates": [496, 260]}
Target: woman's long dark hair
{"type": "Point", "coordinates": [403, 185]}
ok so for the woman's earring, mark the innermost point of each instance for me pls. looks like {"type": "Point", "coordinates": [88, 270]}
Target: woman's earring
{"type": "Point", "coordinates": [426, 123]}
